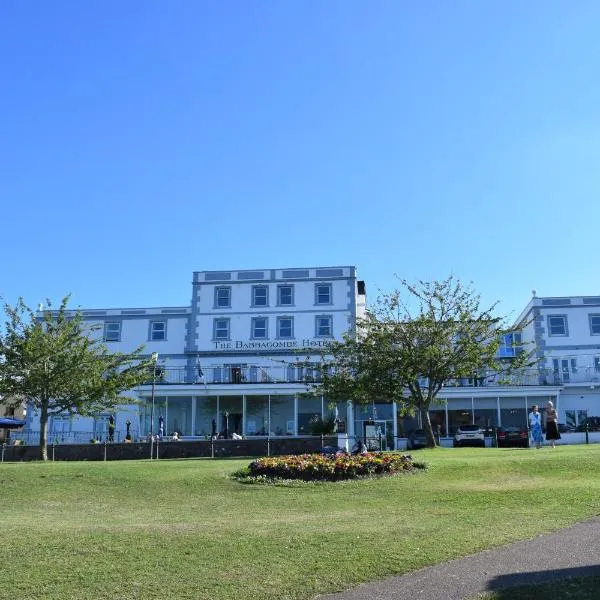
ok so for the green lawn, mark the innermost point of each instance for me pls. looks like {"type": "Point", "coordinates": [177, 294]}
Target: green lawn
{"type": "Point", "coordinates": [184, 529]}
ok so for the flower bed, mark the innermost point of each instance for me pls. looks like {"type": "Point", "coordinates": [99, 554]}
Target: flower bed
{"type": "Point", "coordinates": [319, 467]}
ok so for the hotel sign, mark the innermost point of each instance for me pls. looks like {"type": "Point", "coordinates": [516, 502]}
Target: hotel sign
{"type": "Point", "coordinates": [274, 345]}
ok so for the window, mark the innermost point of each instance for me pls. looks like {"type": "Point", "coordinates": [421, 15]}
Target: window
{"type": "Point", "coordinates": [221, 329]}
{"type": "Point", "coordinates": [595, 324]}
{"type": "Point", "coordinates": [260, 295]}
{"type": "Point", "coordinates": [557, 325]}
{"type": "Point", "coordinates": [112, 332]}
{"type": "Point", "coordinates": [323, 293]}
{"type": "Point", "coordinates": [259, 328]}
{"type": "Point", "coordinates": [61, 427]}
{"type": "Point", "coordinates": [324, 326]}
{"type": "Point", "coordinates": [285, 295]}
{"type": "Point", "coordinates": [158, 331]}
{"type": "Point", "coordinates": [285, 327]}
{"type": "Point", "coordinates": [563, 368]}
{"type": "Point", "coordinates": [222, 297]}
{"type": "Point", "coordinates": [101, 427]}
{"type": "Point", "coordinates": [597, 364]}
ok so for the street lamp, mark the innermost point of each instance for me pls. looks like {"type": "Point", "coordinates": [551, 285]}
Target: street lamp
{"type": "Point", "coordinates": [154, 359]}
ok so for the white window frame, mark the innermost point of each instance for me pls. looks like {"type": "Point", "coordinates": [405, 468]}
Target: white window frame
{"type": "Point", "coordinates": [565, 326]}
{"type": "Point", "coordinates": [253, 328]}
{"type": "Point", "coordinates": [329, 294]}
{"type": "Point", "coordinates": [255, 288]}
{"type": "Point", "coordinates": [318, 326]}
{"type": "Point", "coordinates": [285, 286]}
{"type": "Point", "coordinates": [592, 317]}
{"type": "Point", "coordinates": [279, 321]}
{"type": "Point", "coordinates": [218, 290]}
{"type": "Point", "coordinates": [101, 426]}
{"type": "Point", "coordinates": [216, 328]}
{"type": "Point", "coordinates": [61, 420]}
{"type": "Point", "coordinates": [107, 328]}
{"type": "Point", "coordinates": [152, 338]}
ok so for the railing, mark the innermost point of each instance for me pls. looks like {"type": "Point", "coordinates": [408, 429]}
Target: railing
{"type": "Point", "coordinates": [232, 374]}
{"type": "Point", "coordinates": [67, 437]}
{"type": "Point", "coordinates": [228, 374]}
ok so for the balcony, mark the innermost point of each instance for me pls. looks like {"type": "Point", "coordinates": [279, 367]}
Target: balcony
{"type": "Point", "coordinates": [249, 375]}
{"type": "Point", "coordinates": [235, 375]}
{"type": "Point", "coordinates": [529, 377]}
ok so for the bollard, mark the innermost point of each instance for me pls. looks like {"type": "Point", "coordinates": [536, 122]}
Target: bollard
{"type": "Point", "coordinates": [151, 446]}
{"type": "Point", "coordinates": [212, 448]}
{"type": "Point", "coordinates": [52, 452]}
{"type": "Point", "coordinates": [268, 446]}
{"type": "Point", "coordinates": [587, 436]}
{"type": "Point", "coordinates": [3, 448]}
{"type": "Point", "coordinates": [157, 444]}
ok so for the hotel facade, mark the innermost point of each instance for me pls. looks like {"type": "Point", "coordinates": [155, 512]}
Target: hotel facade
{"type": "Point", "coordinates": [237, 360]}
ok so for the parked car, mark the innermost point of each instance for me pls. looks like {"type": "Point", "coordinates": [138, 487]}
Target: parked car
{"type": "Point", "coordinates": [469, 435]}
{"type": "Point", "coordinates": [513, 436]}
{"type": "Point", "coordinates": [416, 439]}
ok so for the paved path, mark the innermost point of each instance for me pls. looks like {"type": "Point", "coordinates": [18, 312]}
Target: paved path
{"type": "Point", "coordinates": [569, 552]}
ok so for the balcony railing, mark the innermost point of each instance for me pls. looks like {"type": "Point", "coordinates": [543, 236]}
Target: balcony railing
{"type": "Point", "coordinates": [236, 375]}
{"type": "Point", "coordinates": [228, 374]}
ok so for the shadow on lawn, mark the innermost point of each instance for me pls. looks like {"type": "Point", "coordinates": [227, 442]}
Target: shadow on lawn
{"type": "Point", "coordinates": [558, 583]}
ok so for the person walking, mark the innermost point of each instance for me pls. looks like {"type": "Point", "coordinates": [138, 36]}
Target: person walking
{"type": "Point", "coordinates": [535, 426]}
{"type": "Point", "coordinates": [552, 433]}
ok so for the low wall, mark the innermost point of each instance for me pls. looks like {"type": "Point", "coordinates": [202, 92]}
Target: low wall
{"type": "Point", "coordinates": [165, 450]}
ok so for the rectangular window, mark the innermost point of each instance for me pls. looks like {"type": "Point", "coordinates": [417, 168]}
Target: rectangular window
{"type": "Point", "coordinates": [101, 427]}
{"type": "Point", "coordinates": [158, 331]}
{"type": "Point", "coordinates": [112, 332]}
{"type": "Point", "coordinates": [221, 329]}
{"type": "Point", "coordinates": [285, 295]}
{"type": "Point", "coordinates": [222, 297]}
{"type": "Point", "coordinates": [259, 328]}
{"type": "Point", "coordinates": [561, 370]}
{"type": "Point", "coordinates": [324, 326]}
{"type": "Point", "coordinates": [260, 295]}
{"type": "Point", "coordinates": [557, 325]}
{"type": "Point", "coordinates": [597, 364]}
{"type": "Point", "coordinates": [285, 327]}
{"type": "Point", "coordinates": [595, 324]}
{"type": "Point", "coordinates": [323, 293]}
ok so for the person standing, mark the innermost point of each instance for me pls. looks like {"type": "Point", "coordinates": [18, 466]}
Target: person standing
{"type": "Point", "coordinates": [552, 433]}
{"type": "Point", "coordinates": [535, 426]}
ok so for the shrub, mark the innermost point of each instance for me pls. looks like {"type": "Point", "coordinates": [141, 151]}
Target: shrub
{"type": "Point", "coordinates": [319, 426]}
{"type": "Point", "coordinates": [319, 467]}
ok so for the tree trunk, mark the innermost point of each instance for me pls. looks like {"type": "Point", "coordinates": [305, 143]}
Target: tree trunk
{"type": "Point", "coordinates": [44, 431]}
{"type": "Point", "coordinates": [431, 441]}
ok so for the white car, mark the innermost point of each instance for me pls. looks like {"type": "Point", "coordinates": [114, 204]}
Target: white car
{"type": "Point", "coordinates": [469, 435]}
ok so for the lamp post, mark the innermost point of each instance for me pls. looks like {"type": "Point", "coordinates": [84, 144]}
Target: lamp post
{"type": "Point", "coordinates": [154, 359]}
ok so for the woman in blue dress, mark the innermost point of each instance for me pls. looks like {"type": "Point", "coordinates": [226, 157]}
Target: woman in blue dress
{"type": "Point", "coordinates": [535, 426]}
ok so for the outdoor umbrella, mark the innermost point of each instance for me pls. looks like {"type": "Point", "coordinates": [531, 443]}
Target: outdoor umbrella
{"type": "Point", "coordinates": [11, 423]}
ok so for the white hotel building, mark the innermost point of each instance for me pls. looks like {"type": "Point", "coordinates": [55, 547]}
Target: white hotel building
{"type": "Point", "coordinates": [231, 360]}
{"type": "Point", "coordinates": [234, 361]}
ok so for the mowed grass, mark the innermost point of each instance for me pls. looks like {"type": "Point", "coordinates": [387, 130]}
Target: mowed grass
{"type": "Point", "coordinates": [185, 529]}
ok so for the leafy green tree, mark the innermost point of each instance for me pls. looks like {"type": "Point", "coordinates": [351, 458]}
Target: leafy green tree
{"type": "Point", "coordinates": [412, 342]}
{"type": "Point", "coordinates": [53, 361]}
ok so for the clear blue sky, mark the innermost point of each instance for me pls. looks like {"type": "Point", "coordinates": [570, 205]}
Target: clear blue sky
{"type": "Point", "coordinates": [142, 140]}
